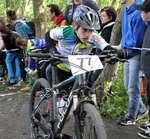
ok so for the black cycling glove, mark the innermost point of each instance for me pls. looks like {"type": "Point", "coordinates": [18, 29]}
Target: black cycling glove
{"type": "Point", "coordinates": [122, 54]}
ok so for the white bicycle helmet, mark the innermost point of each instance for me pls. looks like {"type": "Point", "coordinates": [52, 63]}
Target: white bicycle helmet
{"type": "Point", "coordinates": [86, 17]}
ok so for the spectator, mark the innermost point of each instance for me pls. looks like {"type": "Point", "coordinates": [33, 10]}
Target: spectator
{"type": "Point", "coordinates": [2, 53]}
{"type": "Point", "coordinates": [145, 56]}
{"type": "Point", "coordinates": [20, 25]}
{"type": "Point", "coordinates": [133, 29]}
{"type": "Point", "coordinates": [54, 15]}
{"type": "Point", "coordinates": [12, 54]}
{"type": "Point", "coordinates": [108, 16]}
{"type": "Point", "coordinates": [72, 5]}
{"type": "Point", "coordinates": [37, 43]}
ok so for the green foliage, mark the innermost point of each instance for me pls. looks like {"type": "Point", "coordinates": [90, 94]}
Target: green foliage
{"type": "Point", "coordinates": [2, 5]}
{"type": "Point", "coordinates": [116, 103]}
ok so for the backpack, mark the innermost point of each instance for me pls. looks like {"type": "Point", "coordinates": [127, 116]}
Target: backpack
{"type": "Point", "coordinates": [30, 26]}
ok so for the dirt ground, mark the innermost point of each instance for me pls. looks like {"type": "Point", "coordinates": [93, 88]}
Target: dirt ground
{"type": "Point", "coordinates": [14, 123]}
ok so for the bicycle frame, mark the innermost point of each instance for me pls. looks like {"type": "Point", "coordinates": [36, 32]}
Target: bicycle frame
{"type": "Point", "coordinates": [71, 101]}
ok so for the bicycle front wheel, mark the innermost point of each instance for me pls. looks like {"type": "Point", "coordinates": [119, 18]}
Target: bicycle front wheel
{"type": "Point", "coordinates": [91, 123]}
{"type": "Point", "coordinates": [39, 110]}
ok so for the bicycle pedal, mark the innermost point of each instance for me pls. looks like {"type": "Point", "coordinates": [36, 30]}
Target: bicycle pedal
{"type": "Point", "coordinates": [37, 116]}
{"type": "Point", "coordinates": [45, 115]}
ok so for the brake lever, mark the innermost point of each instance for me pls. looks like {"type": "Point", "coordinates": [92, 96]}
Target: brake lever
{"type": "Point", "coordinates": [115, 58]}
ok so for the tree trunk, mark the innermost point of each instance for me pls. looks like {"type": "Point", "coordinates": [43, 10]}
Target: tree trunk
{"type": "Point", "coordinates": [39, 18]}
{"type": "Point", "coordinates": [8, 4]}
{"type": "Point", "coordinates": [24, 5]}
{"type": "Point", "coordinates": [106, 78]}
{"type": "Point", "coordinates": [113, 3]}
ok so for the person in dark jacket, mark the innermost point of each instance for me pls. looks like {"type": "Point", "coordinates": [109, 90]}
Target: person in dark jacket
{"type": "Point", "coordinates": [72, 5]}
{"type": "Point", "coordinates": [12, 54]}
{"type": "Point", "coordinates": [2, 53]}
{"type": "Point", "coordinates": [108, 16]}
{"type": "Point", "coordinates": [145, 60]}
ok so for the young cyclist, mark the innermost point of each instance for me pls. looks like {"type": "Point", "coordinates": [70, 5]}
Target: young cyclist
{"type": "Point", "coordinates": [81, 37]}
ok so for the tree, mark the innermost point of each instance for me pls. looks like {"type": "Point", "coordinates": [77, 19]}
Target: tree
{"type": "Point", "coordinates": [39, 18]}
{"type": "Point", "coordinates": [106, 78]}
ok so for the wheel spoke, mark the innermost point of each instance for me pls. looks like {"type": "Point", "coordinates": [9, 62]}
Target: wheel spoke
{"type": "Point", "coordinates": [40, 112]}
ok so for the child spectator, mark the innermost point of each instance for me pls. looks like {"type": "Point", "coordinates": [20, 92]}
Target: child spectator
{"type": "Point", "coordinates": [38, 43]}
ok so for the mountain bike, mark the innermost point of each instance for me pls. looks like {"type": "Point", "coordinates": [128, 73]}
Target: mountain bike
{"type": "Point", "coordinates": [43, 109]}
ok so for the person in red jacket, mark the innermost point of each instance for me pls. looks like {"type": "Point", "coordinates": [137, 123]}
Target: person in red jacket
{"type": "Point", "coordinates": [54, 15]}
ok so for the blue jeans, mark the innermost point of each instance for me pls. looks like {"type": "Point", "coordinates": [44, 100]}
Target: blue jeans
{"type": "Point", "coordinates": [132, 86]}
{"type": "Point", "coordinates": [10, 57]}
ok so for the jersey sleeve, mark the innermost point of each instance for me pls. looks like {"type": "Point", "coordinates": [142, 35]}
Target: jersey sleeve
{"type": "Point", "coordinates": [30, 46]}
{"type": "Point", "coordinates": [98, 41]}
{"type": "Point", "coordinates": [60, 33]}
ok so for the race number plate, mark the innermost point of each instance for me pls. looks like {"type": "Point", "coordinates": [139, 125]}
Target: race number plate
{"type": "Point", "coordinates": [80, 64]}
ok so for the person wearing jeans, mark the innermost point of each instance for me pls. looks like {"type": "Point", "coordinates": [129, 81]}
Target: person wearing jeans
{"type": "Point", "coordinates": [145, 61]}
{"type": "Point", "coordinates": [10, 57]}
{"type": "Point", "coordinates": [133, 28]}
{"type": "Point", "coordinates": [12, 54]}
{"type": "Point", "coordinates": [132, 86]}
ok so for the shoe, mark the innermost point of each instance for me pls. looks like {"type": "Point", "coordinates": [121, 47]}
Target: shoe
{"type": "Point", "coordinates": [12, 81]}
{"type": "Point", "coordinates": [1, 79]}
{"type": "Point", "coordinates": [25, 89]}
{"type": "Point", "coordinates": [145, 134]}
{"type": "Point", "coordinates": [126, 121]}
{"type": "Point", "coordinates": [142, 115]}
{"type": "Point", "coordinates": [17, 84]}
{"type": "Point", "coordinates": [144, 127]}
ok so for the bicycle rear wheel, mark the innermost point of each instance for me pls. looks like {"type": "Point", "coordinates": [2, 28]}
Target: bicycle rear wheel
{"type": "Point", "coordinates": [39, 110]}
{"type": "Point", "coordinates": [91, 123]}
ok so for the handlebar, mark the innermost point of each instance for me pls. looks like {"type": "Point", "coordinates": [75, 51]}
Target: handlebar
{"type": "Point", "coordinates": [108, 55]}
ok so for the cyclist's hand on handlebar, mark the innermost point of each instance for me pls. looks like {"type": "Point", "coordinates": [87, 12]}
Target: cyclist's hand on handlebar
{"type": "Point", "coordinates": [123, 54]}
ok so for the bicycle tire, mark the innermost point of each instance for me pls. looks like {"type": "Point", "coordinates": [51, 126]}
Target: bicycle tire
{"type": "Point", "coordinates": [91, 123]}
{"type": "Point", "coordinates": [42, 115]}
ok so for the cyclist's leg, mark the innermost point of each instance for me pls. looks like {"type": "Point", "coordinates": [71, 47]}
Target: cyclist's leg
{"type": "Point", "coordinates": [62, 75]}
{"type": "Point", "coordinates": [48, 73]}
